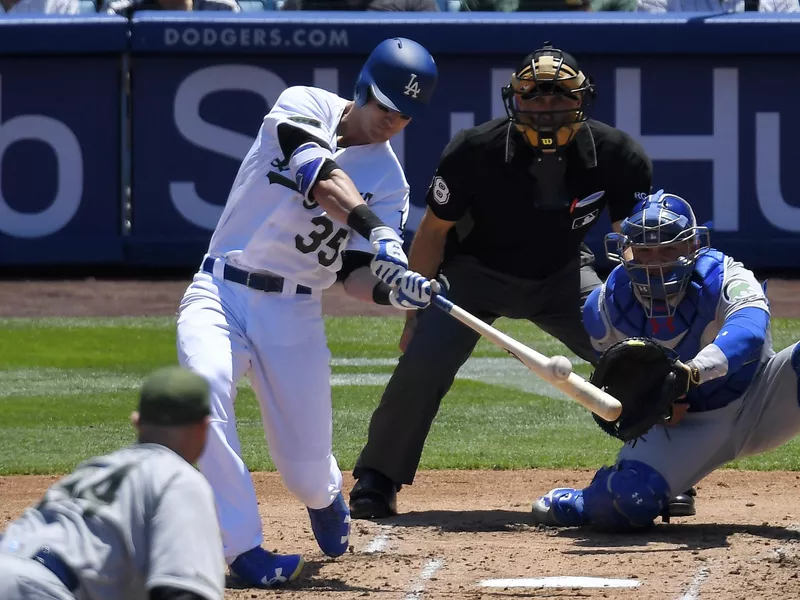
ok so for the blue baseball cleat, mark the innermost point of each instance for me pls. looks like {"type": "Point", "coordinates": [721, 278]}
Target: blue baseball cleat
{"type": "Point", "coordinates": [331, 527]}
{"type": "Point", "coordinates": [560, 507]}
{"type": "Point", "coordinates": [259, 568]}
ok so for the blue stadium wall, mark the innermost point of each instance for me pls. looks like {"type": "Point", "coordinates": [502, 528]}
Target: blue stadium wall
{"type": "Point", "coordinates": [119, 140]}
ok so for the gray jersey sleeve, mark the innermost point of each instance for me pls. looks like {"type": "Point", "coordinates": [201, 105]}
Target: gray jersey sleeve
{"type": "Point", "coordinates": [185, 541]}
{"type": "Point", "coordinates": [740, 289]}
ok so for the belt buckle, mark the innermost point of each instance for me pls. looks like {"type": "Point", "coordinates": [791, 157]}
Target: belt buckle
{"type": "Point", "coordinates": [247, 280]}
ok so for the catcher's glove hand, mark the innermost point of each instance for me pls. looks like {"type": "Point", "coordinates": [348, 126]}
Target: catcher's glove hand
{"type": "Point", "coordinates": [647, 378]}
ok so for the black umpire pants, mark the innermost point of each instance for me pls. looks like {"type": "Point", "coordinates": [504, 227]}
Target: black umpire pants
{"type": "Point", "coordinates": [441, 345]}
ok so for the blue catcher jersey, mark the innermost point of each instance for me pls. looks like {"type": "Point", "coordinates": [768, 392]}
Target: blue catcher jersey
{"type": "Point", "coordinates": [719, 287]}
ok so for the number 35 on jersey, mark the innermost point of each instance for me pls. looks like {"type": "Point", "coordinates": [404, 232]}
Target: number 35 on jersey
{"type": "Point", "coordinates": [326, 239]}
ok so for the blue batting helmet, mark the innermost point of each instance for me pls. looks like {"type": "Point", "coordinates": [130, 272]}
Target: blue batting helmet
{"type": "Point", "coordinates": [400, 74]}
{"type": "Point", "coordinates": [659, 245]}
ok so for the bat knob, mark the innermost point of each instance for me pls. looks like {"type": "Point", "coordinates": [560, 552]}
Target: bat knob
{"type": "Point", "coordinates": [436, 287]}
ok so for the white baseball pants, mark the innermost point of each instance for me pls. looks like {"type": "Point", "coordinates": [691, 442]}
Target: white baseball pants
{"type": "Point", "coordinates": [226, 330]}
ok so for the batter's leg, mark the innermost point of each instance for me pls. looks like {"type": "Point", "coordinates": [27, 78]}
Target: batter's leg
{"type": "Point", "coordinates": [291, 378]}
{"type": "Point", "coordinates": [211, 343]}
{"type": "Point", "coordinates": [291, 375]}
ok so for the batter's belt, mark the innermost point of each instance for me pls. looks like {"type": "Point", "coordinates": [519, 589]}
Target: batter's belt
{"type": "Point", "coordinates": [257, 281]}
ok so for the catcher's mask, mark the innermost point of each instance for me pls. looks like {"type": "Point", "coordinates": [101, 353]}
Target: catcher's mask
{"type": "Point", "coordinates": [547, 98]}
{"type": "Point", "coordinates": [659, 245]}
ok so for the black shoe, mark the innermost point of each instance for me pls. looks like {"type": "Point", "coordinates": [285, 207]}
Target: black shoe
{"type": "Point", "coordinates": [374, 496]}
{"type": "Point", "coordinates": [682, 505]}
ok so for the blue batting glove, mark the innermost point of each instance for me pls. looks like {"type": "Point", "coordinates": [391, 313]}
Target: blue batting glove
{"type": "Point", "coordinates": [390, 261]}
{"type": "Point", "coordinates": [412, 292]}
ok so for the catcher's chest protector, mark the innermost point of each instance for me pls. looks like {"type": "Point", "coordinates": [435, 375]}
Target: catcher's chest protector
{"type": "Point", "coordinates": [681, 332]}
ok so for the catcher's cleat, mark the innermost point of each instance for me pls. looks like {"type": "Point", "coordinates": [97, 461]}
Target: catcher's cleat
{"type": "Point", "coordinates": [262, 569]}
{"type": "Point", "coordinates": [681, 505]}
{"type": "Point", "coordinates": [560, 507]}
{"type": "Point", "coordinates": [374, 496]}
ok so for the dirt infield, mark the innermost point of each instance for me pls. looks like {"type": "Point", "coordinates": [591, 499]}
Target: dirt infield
{"type": "Point", "coordinates": [459, 529]}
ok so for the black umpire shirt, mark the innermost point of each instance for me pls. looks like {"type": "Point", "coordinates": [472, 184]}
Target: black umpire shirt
{"type": "Point", "coordinates": [484, 183]}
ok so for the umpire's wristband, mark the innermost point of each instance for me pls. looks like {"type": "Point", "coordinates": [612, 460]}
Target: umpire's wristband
{"type": "Point", "coordinates": [362, 220]}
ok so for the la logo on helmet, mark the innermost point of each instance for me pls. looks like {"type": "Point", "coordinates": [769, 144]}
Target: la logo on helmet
{"type": "Point", "coordinates": [412, 87]}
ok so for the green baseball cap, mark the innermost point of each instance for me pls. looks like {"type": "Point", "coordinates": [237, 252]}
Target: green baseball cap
{"type": "Point", "coordinates": [174, 396]}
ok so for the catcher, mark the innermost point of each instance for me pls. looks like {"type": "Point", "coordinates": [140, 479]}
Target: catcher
{"type": "Point", "coordinates": [684, 333]}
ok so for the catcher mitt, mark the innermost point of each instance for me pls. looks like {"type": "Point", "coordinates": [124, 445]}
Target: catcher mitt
{"type": "Point", "coordinates": [647, 378]}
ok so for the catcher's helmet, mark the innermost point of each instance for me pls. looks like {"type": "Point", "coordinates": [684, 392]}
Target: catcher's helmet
{"type": "Point", "coordinates": [663, 242]}
{"type": "Point", "coordinates": [548, 97]}
{"type": "Point", "coordinates": [400, 74]}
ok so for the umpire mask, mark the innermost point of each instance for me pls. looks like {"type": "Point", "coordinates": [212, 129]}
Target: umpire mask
{"type": "Point", "coordinates": [547, 99]}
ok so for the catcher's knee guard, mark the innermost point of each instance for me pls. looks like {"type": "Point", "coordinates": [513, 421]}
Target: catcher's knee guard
{"type": "Point", "coordinates": [627, 496]}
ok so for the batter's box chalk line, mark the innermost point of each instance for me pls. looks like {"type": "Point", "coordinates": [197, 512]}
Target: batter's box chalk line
{"type": "Point", "coordinates": [560, 582]}
{"type": "Point", "coordinates": [417, 589]}
{"type": "Point", "coordinates": [693, 592]}
{"type": "Point", "coordinates": [380, 542]}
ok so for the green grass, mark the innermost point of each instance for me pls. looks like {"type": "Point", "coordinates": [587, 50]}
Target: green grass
{"type": "Point", "coordinates": [67, 387]}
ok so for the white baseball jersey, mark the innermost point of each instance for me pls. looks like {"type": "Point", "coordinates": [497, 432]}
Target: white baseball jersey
{"type": "Point", "coordinates": [127, 522]}
{"type": "Point", "coordinates": [268, 226]}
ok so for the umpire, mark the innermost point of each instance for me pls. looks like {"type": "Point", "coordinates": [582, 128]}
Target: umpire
{"type": "Point", "coordinates": [507, 212]}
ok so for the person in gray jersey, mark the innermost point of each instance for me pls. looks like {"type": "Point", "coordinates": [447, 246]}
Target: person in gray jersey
{"type": "Point", "coordinates": [138, 523]}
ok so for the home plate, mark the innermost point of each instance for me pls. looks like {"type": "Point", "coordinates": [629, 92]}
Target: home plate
{"type": "Point", "coordinates": [561, 582]}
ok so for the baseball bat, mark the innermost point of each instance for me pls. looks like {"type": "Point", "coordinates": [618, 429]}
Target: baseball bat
{"type": "Point", "coordinates": [576, 387]}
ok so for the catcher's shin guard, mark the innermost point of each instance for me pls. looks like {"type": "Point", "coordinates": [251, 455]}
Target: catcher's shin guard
{"type": "Point", "coordinates": [627, 496]}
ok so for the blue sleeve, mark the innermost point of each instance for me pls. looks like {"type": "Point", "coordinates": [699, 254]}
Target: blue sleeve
{"type": "Point", "coordinates": [742, 335]}
{"type": "Point", "coordinates": [592, 321]}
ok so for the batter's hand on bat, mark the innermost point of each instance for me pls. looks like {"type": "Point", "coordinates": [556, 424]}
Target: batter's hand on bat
{"type": "Point", "coordinates": [412, 292]}
{"type": "Point", "coordinates": [390, 261]}
{"type": "Point", "coordinates": [440, 285]}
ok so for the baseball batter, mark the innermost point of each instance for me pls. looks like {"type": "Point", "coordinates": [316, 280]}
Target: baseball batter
{"type": "Point", "coordinates": [320, 196]}
{"type": "Point", "coordinates": [138, 523]}
{"type": "Point", "coordinates": [742, 397]}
